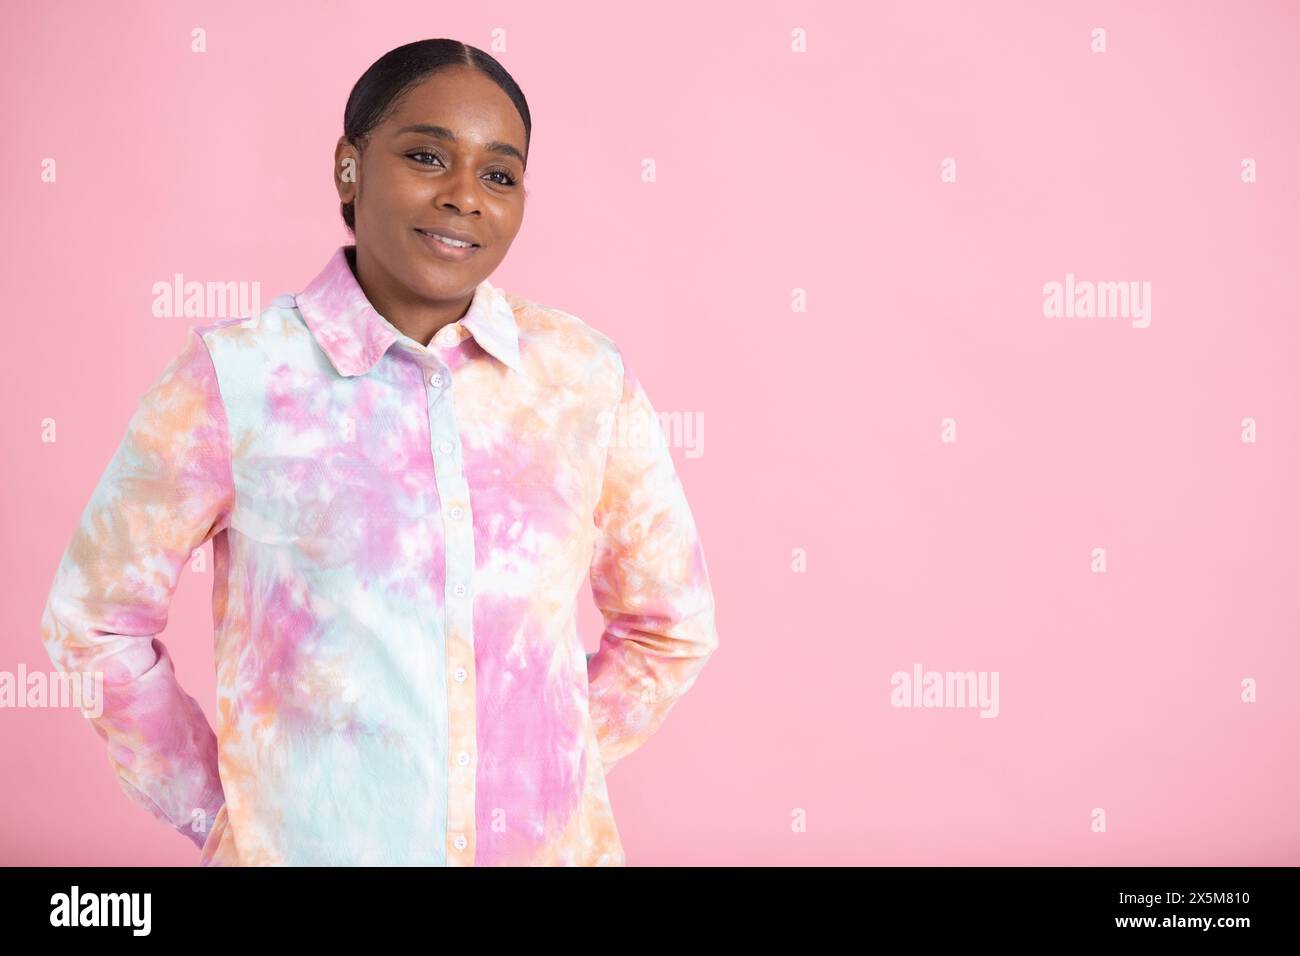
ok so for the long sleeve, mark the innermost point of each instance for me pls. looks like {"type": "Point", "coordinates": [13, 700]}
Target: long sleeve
{"type": "Point", "coordinates": [650, 581]}
{"type": "Point", "coordinates": [167, 490]}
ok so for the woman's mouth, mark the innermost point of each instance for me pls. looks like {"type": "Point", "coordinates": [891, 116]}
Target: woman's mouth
{"type": "Point", "coordinates": [445, 247]}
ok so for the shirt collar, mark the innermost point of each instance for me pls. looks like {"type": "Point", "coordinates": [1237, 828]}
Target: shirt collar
{"type": "Point", "coordinates": [355, 336]}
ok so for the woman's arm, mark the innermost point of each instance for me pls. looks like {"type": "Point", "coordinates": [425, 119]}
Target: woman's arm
{"type": "Point", "coordinates": [650, 581]}
{"type": "Point", "coordinates": [167, 490]}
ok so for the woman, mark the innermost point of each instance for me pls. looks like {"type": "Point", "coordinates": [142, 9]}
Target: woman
{"type": "Point", "coordinates": [406, 473]}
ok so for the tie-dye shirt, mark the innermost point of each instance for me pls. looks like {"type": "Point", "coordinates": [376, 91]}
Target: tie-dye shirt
{"type": "Point", "coordinates": [400, 533]}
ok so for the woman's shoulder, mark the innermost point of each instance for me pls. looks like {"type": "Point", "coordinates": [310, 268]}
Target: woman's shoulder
{"type": "Point", "coordinates": [547, 326]}
{"type": "Point", "coordinates": [278, 320]}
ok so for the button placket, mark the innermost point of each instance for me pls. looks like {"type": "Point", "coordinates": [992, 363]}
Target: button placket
{"type": "Point", "coordinates": [458, 548]}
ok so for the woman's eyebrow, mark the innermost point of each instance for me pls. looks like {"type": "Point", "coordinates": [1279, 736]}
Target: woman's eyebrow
{"type": "Point", "coordinates": [441, 132]}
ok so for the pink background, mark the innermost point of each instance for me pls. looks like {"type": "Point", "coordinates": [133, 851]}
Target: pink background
{"type": "Point", "coordinates": [776, 171]}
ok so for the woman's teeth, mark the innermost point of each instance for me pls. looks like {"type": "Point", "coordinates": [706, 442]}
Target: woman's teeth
{"type": "Point", "coordinates": [443, 239]}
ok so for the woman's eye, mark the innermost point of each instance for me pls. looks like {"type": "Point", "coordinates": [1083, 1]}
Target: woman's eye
{"type": "Point", "coordinates": [507, 179]}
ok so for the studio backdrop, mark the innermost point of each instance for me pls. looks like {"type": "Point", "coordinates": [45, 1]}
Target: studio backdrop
{"type": "Point", "coordinates": [969, 336]}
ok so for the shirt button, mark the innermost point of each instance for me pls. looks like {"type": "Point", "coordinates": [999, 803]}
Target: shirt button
{"type": "Point", "coordinates": [460, 842]}
{"type": "Point", "coordinates": [435, 380]}
{"type": "Point", "coordinates": [448, 336]}
{"type": "Point", "coordinates": [462, 758]}
{"type": "Point", "coordinates": [456, 511]}
{"type": "Point", "coordinates": [458, 590]}
{"type": "Point", "coordinates": [445, 447]}
{"type": "Point", "coordinates": [459, 673]}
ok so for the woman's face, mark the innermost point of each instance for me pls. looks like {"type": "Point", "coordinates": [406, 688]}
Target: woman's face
{"type": "Point", "coordinates": [450, 158]}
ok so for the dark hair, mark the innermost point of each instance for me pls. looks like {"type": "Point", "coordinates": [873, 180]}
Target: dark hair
{"type": "Point", "coordinates": [377, 93]}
